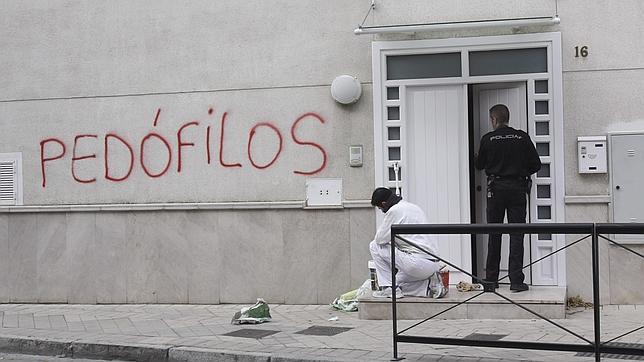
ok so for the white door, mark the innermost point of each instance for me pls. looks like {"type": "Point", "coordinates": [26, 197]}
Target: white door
{"type": "Point", "coordinates": [513, 95]}
{"type": "Point", "coordinates": [437, 168]}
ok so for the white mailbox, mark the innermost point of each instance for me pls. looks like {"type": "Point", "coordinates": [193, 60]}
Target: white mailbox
{"type": "Point", "coordinates": [591, 154]}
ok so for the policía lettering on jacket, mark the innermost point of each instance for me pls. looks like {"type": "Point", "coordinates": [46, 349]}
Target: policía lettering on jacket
{"type": "Point", "coordinates": [505, 137]}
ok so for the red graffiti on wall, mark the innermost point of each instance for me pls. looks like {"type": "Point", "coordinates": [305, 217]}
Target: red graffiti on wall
{"type": "Point", "coordinates": [181, 144]}
{"type": "Point", "coordinates": [221, 144]}
{"type": "Point", "coordinates": [251, 135]}
{"type": "Point", "coordinates": [44, 159]}
{"type": "Point", "coordinates": [142, 156]}
{"type": "Point", "coordinates": [53, 149]}
{"type": "Point", "coordinates": [306, 143]}
{"type": "Point", "coordinates": [78, 158]}
{"type": "Point", "coordinates": [107, 158]}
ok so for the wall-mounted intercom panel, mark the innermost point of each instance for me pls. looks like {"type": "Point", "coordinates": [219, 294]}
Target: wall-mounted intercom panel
{"type": "Point", "coordinates": [591, 154]}
{"type": "Point", "coordinates": [355, 156]}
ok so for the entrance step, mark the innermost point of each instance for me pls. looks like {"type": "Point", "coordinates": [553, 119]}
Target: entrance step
{"type": "Point", "coordinates": [549, 302]}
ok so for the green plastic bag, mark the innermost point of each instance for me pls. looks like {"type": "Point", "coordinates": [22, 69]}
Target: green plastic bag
{"type": "Point", "coordinates": [348, 302]}
{"type": "Point", "coordinates": [258, 313]}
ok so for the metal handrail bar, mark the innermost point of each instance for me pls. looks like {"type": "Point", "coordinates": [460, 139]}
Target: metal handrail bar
{"type": "Point", "coordinates": [437, 314]}
{"type": "Point", "coordinates": [569, 347]}
{"type": "Point", "coordinates": [551, 254]}
{"type": "Point", "coordinates": [544, 346]}
{"type": "Point", "coordinates": [554, 228]}
{"type": "Point", "coordinates": [622, 350]}
{"type": "Point", "coordinates": [621, 246]}
{"type": "Point", "coordinates": [623, 335]}
{"type": "Point", "coordinates": [620, 228]}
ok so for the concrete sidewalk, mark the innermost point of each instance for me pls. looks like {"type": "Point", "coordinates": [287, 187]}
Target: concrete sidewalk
{"type": "Point", "coordinates": [296, 333]}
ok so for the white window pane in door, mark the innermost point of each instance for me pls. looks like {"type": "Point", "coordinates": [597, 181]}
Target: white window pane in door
{"type": "Point", "coordinates": [544, 172]}
{"type": "Point", "coordinates": [543, 212]}
{"type": "Point", "coordinates": [543, 148]}
{"type": "Point", "coordinates": [394, 153]}
{"type": "Point", "coordinates": [543, 191]}
{"type": "Point", "coordinates": [393, 113]}
{"type": "Point", "coordinates": [541, 107]}
{"type": "Point", "coordinates": [393, 133]}
{"type": "Point", "coordinates": [541, 86]}
{"type": "Point", "coordinates": [392, 174]}
{"type": "Point", "coordinates": [542, 128]}
{"type": "Point", "coordinates": [420, 66]}
{"type": "Point", "coordinates": [511, 61]}
{"type": "Point", "coordinates": [392, 93]}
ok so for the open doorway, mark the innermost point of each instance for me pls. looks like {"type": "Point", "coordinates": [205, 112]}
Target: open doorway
{"type": "Point", "coordinates": [481, 98]}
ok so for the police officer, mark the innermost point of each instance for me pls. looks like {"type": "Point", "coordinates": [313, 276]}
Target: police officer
{"type": "Point", "coordinates": [509, 158]}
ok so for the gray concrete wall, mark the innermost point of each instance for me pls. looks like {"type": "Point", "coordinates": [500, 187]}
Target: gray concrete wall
{"type": "Point", "coordinates": [95, 68]}
{"type": "Point", "coordinates": [65, 48]}
{"type": "Point", "coordinates": [295, 257]}
{"type": "Point", "coordinates": [75, 68]}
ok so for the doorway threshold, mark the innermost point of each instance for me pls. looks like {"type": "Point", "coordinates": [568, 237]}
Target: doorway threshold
{"type": "Point", "coordinates": [548, 301]}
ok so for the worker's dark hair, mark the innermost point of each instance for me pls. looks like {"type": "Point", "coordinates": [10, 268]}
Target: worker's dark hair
{"type": "Point", "coordinates": [501, 113]}
{"type": "Point", "coordinates": [379, 195]}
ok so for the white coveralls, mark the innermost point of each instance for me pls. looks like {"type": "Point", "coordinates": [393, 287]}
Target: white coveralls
{"type": "Point", "coordinates": [414, 267]}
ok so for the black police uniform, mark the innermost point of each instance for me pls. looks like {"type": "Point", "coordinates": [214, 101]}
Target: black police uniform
{"type": "Point", "coordinates": [509, 158]}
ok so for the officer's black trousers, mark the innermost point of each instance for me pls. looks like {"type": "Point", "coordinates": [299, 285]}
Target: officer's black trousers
{"type": "Point", "coordinates": [514, 202]}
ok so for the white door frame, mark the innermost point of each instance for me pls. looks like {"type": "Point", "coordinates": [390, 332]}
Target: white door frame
{"type": "Point", "coordinates": [553, 140]}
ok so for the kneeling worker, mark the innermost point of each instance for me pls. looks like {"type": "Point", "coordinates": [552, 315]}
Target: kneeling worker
{"type": "Point", "coordinates": [414, 266]}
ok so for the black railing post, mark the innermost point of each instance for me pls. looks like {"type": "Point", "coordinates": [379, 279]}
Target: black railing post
{"type": "Point", "coordinates": [393, 295]}
{"type": "Point", "coordinates": [597, 324]}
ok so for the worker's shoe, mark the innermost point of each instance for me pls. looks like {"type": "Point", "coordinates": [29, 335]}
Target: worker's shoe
{"type": "Point", "coordinates": [494, 283]}
{"type": "Point", "coordinates": [436, 287]}
{"type": "Point", "coordinates": [519, 287]}
{"type": "Point", "coordinates": [386, 293]}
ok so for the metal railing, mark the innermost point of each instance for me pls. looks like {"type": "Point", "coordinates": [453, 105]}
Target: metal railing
{"type": "Point", "coordinates": [590, 230]}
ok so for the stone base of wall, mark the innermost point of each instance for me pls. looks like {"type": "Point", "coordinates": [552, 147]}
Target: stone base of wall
{"type": "Point", "coordinates": [289, 256]}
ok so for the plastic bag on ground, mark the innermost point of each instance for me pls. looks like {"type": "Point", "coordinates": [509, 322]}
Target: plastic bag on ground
{"type": "Point", "coordinates": [258, 313]}
{"type": "Point", "coordinates": [348, 302]}
{"type": "Point", "coordinates": [468, 287]}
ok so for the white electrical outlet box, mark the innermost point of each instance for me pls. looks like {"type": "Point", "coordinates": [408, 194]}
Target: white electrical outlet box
{"type": "Point", "coordinates": [324, 192]}
{"type": "Point", "coordinates": [355, 156]}
{"type": "Point", "coordinates": [591, 154]}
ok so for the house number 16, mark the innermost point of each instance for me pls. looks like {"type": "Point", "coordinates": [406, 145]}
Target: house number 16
{"type": "Point", "coordinates": [583, 51]}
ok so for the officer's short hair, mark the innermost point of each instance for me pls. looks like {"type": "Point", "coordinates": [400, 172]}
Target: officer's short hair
{"type": "Point", "coordinates": [501, 113]}
{"type": "Point", "coordinates": [379, 195]}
